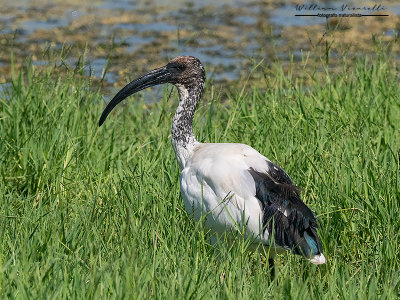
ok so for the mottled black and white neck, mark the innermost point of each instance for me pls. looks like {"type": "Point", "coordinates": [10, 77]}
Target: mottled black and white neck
{"type": "Point", "coordinates": [190, 88]}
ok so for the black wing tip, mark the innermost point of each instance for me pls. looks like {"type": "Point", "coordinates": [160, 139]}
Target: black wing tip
{"type": "Point", "coordinates": [276, 191]}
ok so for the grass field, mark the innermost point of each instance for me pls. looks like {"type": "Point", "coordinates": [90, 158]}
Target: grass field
{"type": "Point", "coordinates": [88, 212]}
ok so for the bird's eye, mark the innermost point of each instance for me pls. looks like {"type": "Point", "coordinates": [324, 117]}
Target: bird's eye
{"type": "Point", "coordinates": [181, 67]}
{"type": "Point", "coordinates": [176, 67]}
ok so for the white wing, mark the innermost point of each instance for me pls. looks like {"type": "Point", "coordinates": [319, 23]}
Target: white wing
{"type": "Point", "coordinates": [216, 184]}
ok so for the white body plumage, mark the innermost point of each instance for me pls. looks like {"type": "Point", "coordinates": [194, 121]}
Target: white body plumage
{"type": "Point", "coordinates": [215, 184]}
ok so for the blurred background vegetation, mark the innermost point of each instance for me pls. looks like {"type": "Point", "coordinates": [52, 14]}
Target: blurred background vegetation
{"type": "Point", "coordinates": [125, 38]}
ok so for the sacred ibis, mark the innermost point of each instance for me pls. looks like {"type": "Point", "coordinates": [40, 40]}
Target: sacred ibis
{"type": "Point", "coordinates": [232, 185]}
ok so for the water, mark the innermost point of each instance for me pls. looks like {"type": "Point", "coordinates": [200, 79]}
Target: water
{"type": "Point", "coordinates": [284, 16]}
{"type": "Point", "coordinates": [223, 34]}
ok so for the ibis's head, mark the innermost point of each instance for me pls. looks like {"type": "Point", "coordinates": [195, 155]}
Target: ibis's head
{"type": "Point", "coordinates": [183, 70]}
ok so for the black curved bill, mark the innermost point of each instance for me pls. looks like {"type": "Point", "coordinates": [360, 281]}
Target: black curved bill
{"type": "Point", "coordinates": [155, 77]}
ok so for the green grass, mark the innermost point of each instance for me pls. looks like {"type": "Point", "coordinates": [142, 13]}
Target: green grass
{"type": "Point", "coordinates": [88, 212]}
